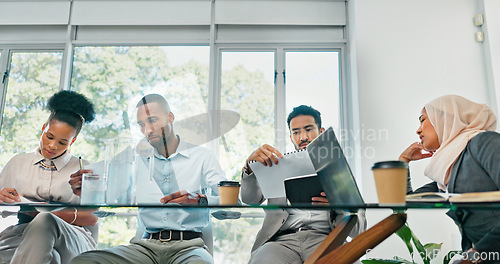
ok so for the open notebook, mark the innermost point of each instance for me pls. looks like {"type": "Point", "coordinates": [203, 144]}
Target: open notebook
{"type": "Point", "coordinates": [271, 179]}
{"type": "Point", "coordinates": [322, 157]}
{"type": "Point", "coordinates": [475, 197]}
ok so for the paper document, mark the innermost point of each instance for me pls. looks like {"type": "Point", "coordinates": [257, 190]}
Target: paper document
{"type": "Point", "coordinates": [147, 189]}
{"type": "Point", "coordinates": [271, 179]}
{"type": "Point", "coordinates": [476, 197]}
{"type": "Point", "coordinates": [431, 197]}
{"type": "Point", "coordinates": [97, 168]}
{"type": "Point", "coordinates": [26, 201]}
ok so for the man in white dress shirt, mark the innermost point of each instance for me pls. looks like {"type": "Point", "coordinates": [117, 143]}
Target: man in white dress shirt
{"type": "Point", "coordinates": [186, 174]}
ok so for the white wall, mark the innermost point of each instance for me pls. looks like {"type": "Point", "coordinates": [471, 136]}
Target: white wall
{"type": "Point", "coordinates": [409, 52]}
{"type": "Point", "coordinates": [491, 29]}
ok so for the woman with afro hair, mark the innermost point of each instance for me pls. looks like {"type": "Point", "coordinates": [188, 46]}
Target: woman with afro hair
{"type": "Point", "coordinates": [42, 176]}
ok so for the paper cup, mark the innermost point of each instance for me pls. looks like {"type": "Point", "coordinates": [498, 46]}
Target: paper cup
{"type": "Point", "coordinates": [228, 192]}
{"type": "Point", "coordinates": [391, 180]}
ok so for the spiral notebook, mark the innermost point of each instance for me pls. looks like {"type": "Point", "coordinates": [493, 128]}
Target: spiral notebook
{"type": "Point", "coordinates": [271, 179]}
{"type": "Point", "coordinates": [322, 157]}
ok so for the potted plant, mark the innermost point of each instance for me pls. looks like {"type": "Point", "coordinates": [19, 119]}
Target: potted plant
{"type": "Point", "coordinates": [426, 252]}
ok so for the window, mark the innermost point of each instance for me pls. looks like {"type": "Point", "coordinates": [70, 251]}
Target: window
{"type": "Point", "coordinates": [33, 78]}
{"type": "Point", "coordinates": [247, 88]}
{"type": "Point", "coordinates": [111, 69]}
{"type": "Point", "coordinates": [115, 78]}
{"type": "Point", "coordinates": [312, 78]}
{"type": "Point", "coordinates": [264, 86]}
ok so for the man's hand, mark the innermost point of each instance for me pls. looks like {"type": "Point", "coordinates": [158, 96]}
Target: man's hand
{"type": "Point", "coordinates": [9, 195]}
{"type": "Point", "coordinates": [320, 200]}
{"type": "Point", "coordinates": [180, 197]}
{"type": "Point", "coordinates": [266, 154]}
{"type": "Point", "coordinates": [414, 152]}
{"type": "Point", "coordinates": [76, 181]}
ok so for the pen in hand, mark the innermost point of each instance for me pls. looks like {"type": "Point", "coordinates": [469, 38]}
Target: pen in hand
{"type": "Point", "coordinates": [81, 162]}
{"type": "Point", "coordinates": [16, 196]}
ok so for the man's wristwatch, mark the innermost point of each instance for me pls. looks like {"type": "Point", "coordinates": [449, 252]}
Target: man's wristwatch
{"type": "Point", "coordinates": [202, 199]}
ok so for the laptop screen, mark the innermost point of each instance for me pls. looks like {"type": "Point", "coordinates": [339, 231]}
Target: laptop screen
{"type": "Point", "coordinates": [333, 171]}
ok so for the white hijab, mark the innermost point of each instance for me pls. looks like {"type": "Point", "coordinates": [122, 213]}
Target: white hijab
{"type": "Point", "coordinates": [456, 121]}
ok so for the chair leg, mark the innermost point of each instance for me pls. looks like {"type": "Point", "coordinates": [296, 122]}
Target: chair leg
{"type": "Point", "coordinates": [350, 252]}
{"type": "Point", "coordinates": [335, 239]}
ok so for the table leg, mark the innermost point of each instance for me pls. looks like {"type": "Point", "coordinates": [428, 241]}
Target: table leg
{"type": "Point", "coordinates": [335, 239]}
{"type": "Point", "coordinates": [350, 252]}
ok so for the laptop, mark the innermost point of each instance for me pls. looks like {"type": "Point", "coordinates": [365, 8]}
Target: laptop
{"type": "Point", "coordinates": [333, 170]}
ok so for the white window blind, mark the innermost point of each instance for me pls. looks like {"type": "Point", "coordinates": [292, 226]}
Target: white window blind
{"type": "Point", "coordinates": [33, 34]}
{"type": "Point", "coordinates": [34, 12]}
{"type": "Point", "coordinates": [280, 12]}
{"type": "Point", "coordinates": [142, 34]}
{"type": "Point", "coordinates": [186, 12]}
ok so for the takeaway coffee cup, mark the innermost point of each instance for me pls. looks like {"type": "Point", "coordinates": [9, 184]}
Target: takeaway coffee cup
{"type": "Point", "coordinates": [391, 180]}
{"type": "Point", "coordinates": [228, 192]}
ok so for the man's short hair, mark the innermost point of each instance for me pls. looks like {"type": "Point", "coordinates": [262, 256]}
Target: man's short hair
{"type": "Point", "coordinates": [154, 98]}
{"type": "Point", "coordinates": [305, 110]}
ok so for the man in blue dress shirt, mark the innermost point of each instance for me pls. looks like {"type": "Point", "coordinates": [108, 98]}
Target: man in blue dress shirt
{"type": "Point", "coordinates": [185, 174]}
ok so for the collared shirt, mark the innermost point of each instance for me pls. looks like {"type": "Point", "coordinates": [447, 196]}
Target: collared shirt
{"type": "Point", "coordinates": [192, 168]}
{"type": "Point", "coordinates": [40, 179]}
{"type": "Point", "coordinates": [297, 218]}
{"type": "Point", "coordinates": [312, 219]}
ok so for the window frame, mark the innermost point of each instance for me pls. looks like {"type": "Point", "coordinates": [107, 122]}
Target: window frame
{"type": "Point", "coordinates": [330, 32]}
{"type": "Point", "coordinates": [280, 127]}
{"type": "Point", "coordinates": [5, 67]}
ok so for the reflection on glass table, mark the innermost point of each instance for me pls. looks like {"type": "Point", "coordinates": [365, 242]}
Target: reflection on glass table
{"type": "Point", "coordinates": [234, 227]}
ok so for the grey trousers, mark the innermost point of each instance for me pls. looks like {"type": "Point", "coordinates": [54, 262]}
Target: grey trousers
{"type": "Point", "coordinates": [150, 251]}
{"type": "Point", "coordinates": [288, 249]}
{"type": "Point", "coordinates": [46, 239]}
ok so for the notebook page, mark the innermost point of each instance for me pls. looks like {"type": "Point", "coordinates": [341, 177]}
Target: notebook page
{"type": "Point", "coordinates": [271, 179]}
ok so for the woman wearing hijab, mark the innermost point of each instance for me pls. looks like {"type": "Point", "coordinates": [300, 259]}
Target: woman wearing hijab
{"type": "Point", "coordinates": [42, 176]}
{"type": "Point", "coordinates": [458, 135]}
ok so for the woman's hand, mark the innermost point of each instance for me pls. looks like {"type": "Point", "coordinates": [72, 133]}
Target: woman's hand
{"type": "Point", "coordinates": [76, 181]}
{"type": "Point", "coordinates": [414, 152]}
{"type": "Point", "coordinates": [9, 195]}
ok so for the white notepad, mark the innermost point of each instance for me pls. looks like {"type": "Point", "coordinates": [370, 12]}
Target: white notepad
{"type": "Point", "coordinates": [272, 179]}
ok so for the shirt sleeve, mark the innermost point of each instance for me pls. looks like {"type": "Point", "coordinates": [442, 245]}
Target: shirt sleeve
{"type": "Point", "coordinates": [7, 180]}
{"type": "Point", "coordinates": [486, 149]}
{"type": "Point", "coordinates": [250, 189]}
{"type": "Point", "coordinates": [429, 187]}
{"type": "Point", "coordinates": [213, 174]}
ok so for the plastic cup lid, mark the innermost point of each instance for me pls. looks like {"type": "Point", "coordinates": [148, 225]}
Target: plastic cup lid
{"type": "Point", "coordinates": [229, 183]}
{"type": "Point", "coordinates": [391, 164]}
